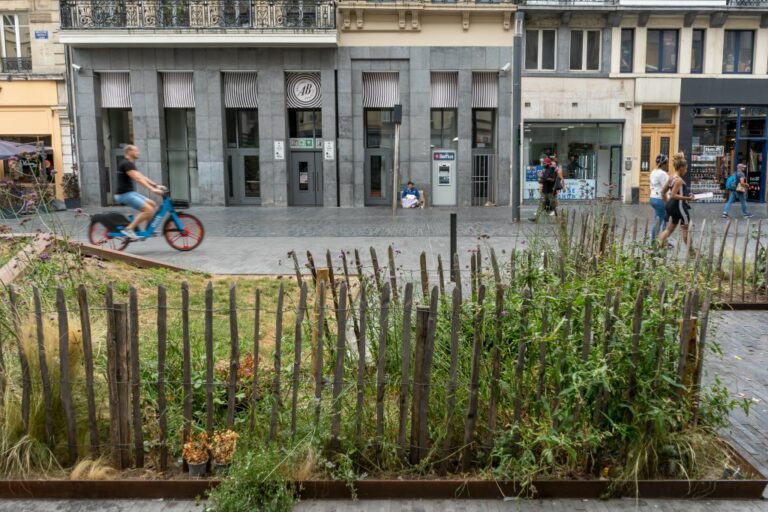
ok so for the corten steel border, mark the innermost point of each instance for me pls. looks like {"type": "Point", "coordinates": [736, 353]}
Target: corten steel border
{"type": "Point", "coordinates": [404, 489]}
{"type": "Point", "coordinates": [741, 306]}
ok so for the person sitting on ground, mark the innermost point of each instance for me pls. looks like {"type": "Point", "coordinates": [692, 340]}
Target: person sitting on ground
{"type": "Point", "coordinates": [411, 198]}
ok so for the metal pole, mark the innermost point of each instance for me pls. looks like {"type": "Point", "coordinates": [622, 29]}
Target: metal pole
{"type": "Point", "coordinates": [396, 167]}
{"type": "Point", "coordinates": [517, 76]}
{"type": "Point", "coordinates": [453, 237]}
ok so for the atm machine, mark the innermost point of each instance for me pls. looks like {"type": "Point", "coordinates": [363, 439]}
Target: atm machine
{"type": "Point", "coordinates": [444, 177]}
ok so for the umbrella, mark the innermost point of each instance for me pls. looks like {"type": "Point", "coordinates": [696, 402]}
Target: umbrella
{"type": "Point", "coordinates": [10, 149]}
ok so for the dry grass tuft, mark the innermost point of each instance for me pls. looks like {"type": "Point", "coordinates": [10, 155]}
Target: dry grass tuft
{"type": "Point", "coordinates": [93, 469]}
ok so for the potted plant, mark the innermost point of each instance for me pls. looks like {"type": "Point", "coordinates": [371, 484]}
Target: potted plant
{"type": "Point", "coordinates": [223, 447]}
{"type": "Point", "coordinates": [195, 453]}
{"type": "Point", "coordinates": [71, 185]}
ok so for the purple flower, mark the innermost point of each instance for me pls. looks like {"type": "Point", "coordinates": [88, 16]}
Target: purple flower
{"type": "Point", "coordinates": [53, 171]}
{"type": "Point", "coordinates": [78, 211]}
{"type": "Point", "coordinates": [45, 256]}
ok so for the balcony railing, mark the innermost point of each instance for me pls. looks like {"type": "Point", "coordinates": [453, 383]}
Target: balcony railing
{"type": "Point", "coordinates": [17, 64]}
{"type": "Point", "coordinates": [265, 15]}
{"type": "Point", "coordinates": [748, 3]}
{"type": "Point", "coordinates": [569, 3]}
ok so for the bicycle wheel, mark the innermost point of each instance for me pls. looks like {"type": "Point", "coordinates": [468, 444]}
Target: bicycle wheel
{"type": "Point", "coordinates": [189, 237]}
{"type": "Point", "coordinates": [98, 234]}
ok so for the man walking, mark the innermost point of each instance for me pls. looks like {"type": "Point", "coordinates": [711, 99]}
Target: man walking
{"type": "Point", "coordinates": [125, 192]}
{"type": "Point", "coordinates": [737, 189]}
{"type": "Point", "coordinates": [547, 183]}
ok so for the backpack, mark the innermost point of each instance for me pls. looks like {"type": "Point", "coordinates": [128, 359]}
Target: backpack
{"type": "Point", "coordinates": [730, 183]}
{"type": "Point", "coordinates": [550, 174]}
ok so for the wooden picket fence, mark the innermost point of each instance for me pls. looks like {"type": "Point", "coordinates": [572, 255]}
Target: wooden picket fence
{"type": "Point", "coordinates": [357, 297]}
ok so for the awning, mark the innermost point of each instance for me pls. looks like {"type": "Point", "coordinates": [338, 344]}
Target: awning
{"type": "Point", "coordinates": [178, 90]}
{"type": "Point", "coordinates": [445, 90]}
{"type": "Point", "coordinates": [381, 90]}
{"type": "Point", "coordinates": [302, 90]}
{"type": "Point", "coordinates": [485, 90]}
{"type": "Point", "coordinates": [115, 90]}
{"type": "Point", "coordinates": [240, 90]}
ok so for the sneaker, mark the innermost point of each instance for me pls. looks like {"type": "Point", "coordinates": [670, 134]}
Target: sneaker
{"type": "Point", "coordinates": [725, 215]}
{"type": "Point", "coordinates": [552, 214]}
{"type": "Point", "coordinates": [748, 216]}
{"type": "Point", "coordinates": [130, 234]}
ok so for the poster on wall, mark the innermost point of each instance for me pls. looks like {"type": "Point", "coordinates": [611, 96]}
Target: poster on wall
{"type": "Point", "coordinates": [330, 150]}
{"type": "Point", "coordinates": [279, 150]}
{"type": "Point", "coordinates": [578, 190]}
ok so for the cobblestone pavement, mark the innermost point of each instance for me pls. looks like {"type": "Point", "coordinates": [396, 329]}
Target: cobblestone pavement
{"type": "Point", "coordinates": [243, 240]}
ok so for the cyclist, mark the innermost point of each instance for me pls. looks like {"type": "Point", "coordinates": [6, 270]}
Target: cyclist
{"type": "Point", "coordinates": [127, 177]}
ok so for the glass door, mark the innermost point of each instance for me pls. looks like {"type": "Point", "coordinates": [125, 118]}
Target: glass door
{"type": "Point", "coordinates": [653, 141]}
{"type": "Point", "coordinates": [243, 165]}
{"type": "Point", "coordinates": [379, 156]}
{"type": "Point", "coordinates": [181, 153]}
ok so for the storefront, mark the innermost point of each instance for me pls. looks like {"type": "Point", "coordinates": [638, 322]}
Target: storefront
{"type": "Point", "coordinates": [718, 134]}
{"type": "Point", "coordinates": [29, 114]}
{"type": "Point", "coordinates": [723, 137]}
{"type": "Point", "coordinates": [589, 153]}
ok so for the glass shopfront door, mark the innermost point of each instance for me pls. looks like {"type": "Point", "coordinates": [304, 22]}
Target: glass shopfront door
{"type": "Point", "coordinates": [379, 156]}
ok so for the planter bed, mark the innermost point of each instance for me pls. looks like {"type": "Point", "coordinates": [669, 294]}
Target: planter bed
{"type": "Point", "coordinates": [189, 488]}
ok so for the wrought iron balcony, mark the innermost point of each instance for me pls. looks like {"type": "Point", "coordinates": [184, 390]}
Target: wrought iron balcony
{"type": "Point", "coordinates": [17, 64]}
{"type": "Point", "coordinates": [748, 3]}
{"type": "Point", "coordinates": [568, 3]}
{"type": "Point", "coordinates": [263, 15]}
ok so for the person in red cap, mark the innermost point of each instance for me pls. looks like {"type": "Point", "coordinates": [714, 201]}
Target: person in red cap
{"type": "Point", "coordinates": [547, 183]}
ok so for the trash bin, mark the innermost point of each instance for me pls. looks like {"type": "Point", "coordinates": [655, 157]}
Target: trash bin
{"type": "Point", "coordinates": [635, 195]}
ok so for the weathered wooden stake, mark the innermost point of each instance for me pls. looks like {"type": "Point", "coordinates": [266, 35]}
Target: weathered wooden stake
{"type": "Point", "coordinates": [276, 402]}
{"type": "Point", "coordinates": [405, 370]}
{"type": "Point", "coordinates": [162, 320]}
{"type": "Point", "coordinates": [85, 329]}
{"type": "Point", "coordinates": [471, 419]}
{"type": "Point", "coordinates": [338, 371]}
{"type": "Point", "coordinates": [297, 331]}
{"type": "Point", "coordinates": [138, 433]}
{"type": "Point", "coordinates": [382, 356]}
{"type": "Point", "coordinates": [65, 386]}
{"type": "Point", "coordinates": [209, 359]}
{"type": "Point", "coordinates": [234, 356]}
{"type": "Point", "coordinates": [43, 364]}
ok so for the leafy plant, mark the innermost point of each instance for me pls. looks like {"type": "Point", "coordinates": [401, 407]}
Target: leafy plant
{"type": "Point", "coordinates": [196, 448]}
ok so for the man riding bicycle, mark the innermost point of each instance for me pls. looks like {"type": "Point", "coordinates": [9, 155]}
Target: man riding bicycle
{"type": "Point", "coordinates": [125, 193]}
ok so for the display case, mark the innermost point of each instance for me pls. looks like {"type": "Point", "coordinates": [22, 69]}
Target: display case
{"type": "Point", "coordinates": [707, 170]}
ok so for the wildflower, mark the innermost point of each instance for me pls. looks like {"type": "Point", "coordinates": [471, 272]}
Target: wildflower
{"type": "Point", "coordinates": [45, 256]}
{"type": "Point", "coordinates": [78, 211]}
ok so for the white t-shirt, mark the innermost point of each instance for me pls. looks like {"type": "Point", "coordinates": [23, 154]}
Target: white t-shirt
{"type": "Point", "coordinates": [659, 178]}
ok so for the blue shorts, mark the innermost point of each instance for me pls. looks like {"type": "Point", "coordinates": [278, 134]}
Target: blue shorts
{"type": "Point", "coordinates": [132, 199]}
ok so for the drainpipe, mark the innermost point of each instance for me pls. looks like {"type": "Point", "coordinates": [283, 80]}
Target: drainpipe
{"type": "Point", "coordinates": [517, 78]}
{"type": "Point", "coordinates": [72, 113]}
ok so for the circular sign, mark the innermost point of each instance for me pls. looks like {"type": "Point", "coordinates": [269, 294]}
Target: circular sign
{"type": "Point", "coordinates": [306, 90]}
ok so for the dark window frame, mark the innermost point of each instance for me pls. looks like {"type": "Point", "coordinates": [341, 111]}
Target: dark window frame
{"type": "Point", "coordinates": [700, 50]}
{"type": "Point", "coordinates": [660, 55]}
{"type": "Point", "coordinates": [540, 50]}
{"type": "Point", "coordinates": [476, 111]}
{"type": "Point", "coordinates": [584, 68]}
{"type": "Point", "coordinates": [631, 64]}
{"type": "Point", "coordinates": [737, 52]}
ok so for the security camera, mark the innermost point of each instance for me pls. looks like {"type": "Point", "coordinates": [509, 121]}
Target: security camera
{"type": "Point", "coordinates": [77, 67]}
{"type": "Point", "coordinates": [506, 67]}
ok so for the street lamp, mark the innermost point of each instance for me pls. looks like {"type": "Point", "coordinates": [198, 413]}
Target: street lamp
{"type": "Point", "coordinates": [517, 75]}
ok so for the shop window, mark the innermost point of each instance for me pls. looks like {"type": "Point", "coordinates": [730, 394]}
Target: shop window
{"type": "Point", "coordinates": [379, 129]}
{"type": "Point", "coordinates": [585, 50]}
{"type": "Point", "coordinates": [697, 51]}
{"type": "Point", "coordinates": [242, 128]}
{"type": "Point", "coordinates": [657, 116]}
{"type": "Point", "coordinates": [181, 153]}
{"type": "Point", "coordinates": [738, 51]}
{"type": "Point", "coordinates": [444, 128]}
{"type": "Point", "coordinates": [661, 51]}
{"type": "Point", "coordinates": [540, 50]}
{"type": "Point", "coordinates": [627, 50]}
{"type": "Point", "coordinates": [483, 124]}
{"type": "Point", "coordinates": [15, 44]}
{"type": "Point", "coordinates": [587, 153]}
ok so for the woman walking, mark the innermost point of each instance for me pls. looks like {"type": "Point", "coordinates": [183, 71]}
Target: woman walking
{"type": "Point", "coordinates": [659, 179]}
{"type": "Point", "coordinates": [679, 197]}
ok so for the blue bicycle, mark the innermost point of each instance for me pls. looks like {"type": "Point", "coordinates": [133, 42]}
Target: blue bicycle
{"type": "Point", "coordinates": [182, 231]}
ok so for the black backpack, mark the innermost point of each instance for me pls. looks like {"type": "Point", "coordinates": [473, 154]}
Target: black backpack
{"type": "Point", "coordinates": [550, 174]}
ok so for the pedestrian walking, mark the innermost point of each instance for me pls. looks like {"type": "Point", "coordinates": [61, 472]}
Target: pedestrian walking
{"type": "Point", "coordinates": [736, 184]}
{"type": "Point", "coordinates": [678, 206]}
{"type": "Point", "coordinates": [547, 183]}
{"type": "Point", "coordinates": [659, 179]}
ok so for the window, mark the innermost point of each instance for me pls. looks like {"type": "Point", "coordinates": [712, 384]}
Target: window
{"type": "Point", "coordinates": [657, 115]}
{"type": "Point", "coordinates": [661, 51]}
{"type": "Point", "coordinates": [697, 51]}
{"type": "Point", "coordinates": [444, 128]}
{"type": "Point", "coordinates": [540, 50]}
{"type": "Point", "coordinates": [483, 128]}
{"type": "Point", "coordinates": [737, 55]}
{"type": "Point", "coordinates": [305, 124]}
{"type": "Point", "coordinates": [242, 128]}
{"type": "Point", "coordinates": [379, 128]}
{"type": "Point", "coordinates": [15, 45]}
{"type": "Point", "coordinates": [585, 50]}
{"type": "Point", "coordinates": [627, 50]}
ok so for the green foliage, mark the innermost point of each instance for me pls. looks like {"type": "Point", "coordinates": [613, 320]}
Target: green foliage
{"type": "Point", "coordinates": [255, 482]}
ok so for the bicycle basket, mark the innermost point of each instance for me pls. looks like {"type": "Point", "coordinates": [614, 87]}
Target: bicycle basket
{"type": "Point", "coordinates": [180, 204]}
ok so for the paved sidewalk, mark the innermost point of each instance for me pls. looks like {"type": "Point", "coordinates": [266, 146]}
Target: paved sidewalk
{"type": "Point", "coordinates": [243, 240]}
